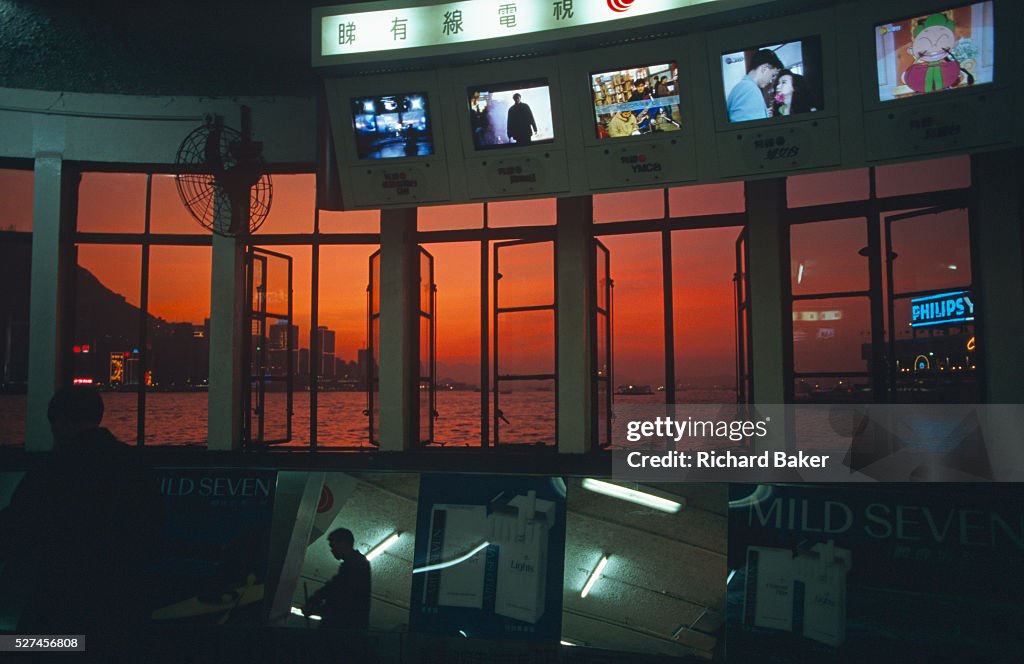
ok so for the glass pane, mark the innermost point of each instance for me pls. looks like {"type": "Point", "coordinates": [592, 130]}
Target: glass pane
{"type": "Point", "coordinates": [112, 203]}
{"type": "Point", "coordinates": [425, 283]}
{"type": "Point", "coordinates": [703, 300]}
{"type": "Point", "coordinates": [932, 252]}
{"type": "Point", "coordinates": [107, 319]}
{"type": "Point", "coordinates": [825, 389]}
{"type": "Point", "coordinates": [935, 363]}
{"type": "Point", "coordinates": [528, 408]}
{"type": "Point", "coordinates": [831, 335]}
{"type": "Point", "coordinates": [921, 176]}
{"type": "Point", "coordinates": [638, 334]}
{"type": "Point", "coordinates": [526, 343]}
{"type": "Point", "coordinates": [16, 272]}
{"type": "Point", "coordinates": [350, 221]}
{"type": "Point", "coordinates": [829, 187]}
{"type": "Point", "coordinates": [527, 274]}
{"type": "Point", "coordinates": [16, 191]}
{"type": "Point", "coordinates": [179, 346]}
{"type": "Point", "coordinates": [448, 217]}
{"type": "Point", "coordinates": [167, 213]}
{"type": "Point", "coordinates": [536, 212]}
{"type": "Point", "coordinates": [457, 274]}
{"type": "Point", "coordinates": [824, 256]}
{"type": "Point", "coordinates": [602, 368]}
{"type": "Point", "coordinates": [697, 200]}
{"type": "Point", "coordinates": [291, 210]}
{"type": "Point", "coordinates": [343, 318]}
{"type": "Point", "coordinates": [629, 206]}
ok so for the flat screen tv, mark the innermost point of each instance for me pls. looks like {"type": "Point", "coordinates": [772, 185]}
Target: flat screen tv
{"type": "Point", "coordinates": [510, 114]}
{"type": "Point", "coordinates": [636, 101]}
{"type": "Point", "coordinates": [390, 126]}
{"type": "Point", "coordinates": [775, 80]}
{"type": "Point", "coordinates": [949, 49]}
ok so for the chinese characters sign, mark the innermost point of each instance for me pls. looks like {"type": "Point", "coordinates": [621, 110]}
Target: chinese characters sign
{"type": "Point", "coordinates": [353, 33]}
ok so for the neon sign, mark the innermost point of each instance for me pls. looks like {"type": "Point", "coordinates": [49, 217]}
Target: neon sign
{"type": "Point", "coordinates": [942, 309]}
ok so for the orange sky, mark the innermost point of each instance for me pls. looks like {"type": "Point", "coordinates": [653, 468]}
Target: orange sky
{"type": "Point", "coordinates": [703, 264]}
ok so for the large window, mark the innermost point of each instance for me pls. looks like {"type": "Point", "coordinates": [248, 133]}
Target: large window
{"type": "Point", "coordinates": [871, 252]}
{"type": "Point", "coordinates": [16, 269]}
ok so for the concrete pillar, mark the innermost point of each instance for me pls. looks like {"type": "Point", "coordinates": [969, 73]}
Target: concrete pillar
{"type": "Point", "coordinates": [574, 257]}
{"type": "Point", "coordinates": [399, 330]}
{"type": "Point", "coordinates": [768, 256]}
{"type": "Point", "coordinates": [999, 289]}
{"type": "Point", "coordinates": [51, 266]}
{"type": "Point", "coordinates": [227, 340]}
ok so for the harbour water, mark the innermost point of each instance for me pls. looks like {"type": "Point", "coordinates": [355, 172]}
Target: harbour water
{"type": "Point", "coordinates": [179, 418]}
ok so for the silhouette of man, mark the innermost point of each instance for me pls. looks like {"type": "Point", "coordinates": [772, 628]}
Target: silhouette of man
{"type": "Point", "coordinates": [79, 532]}
{"type": "Point", "coordinates": [520, 125]}
{"type": "Point", "coordinates": [344, 601]}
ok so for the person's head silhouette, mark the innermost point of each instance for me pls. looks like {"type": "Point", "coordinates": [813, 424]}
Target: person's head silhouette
{"type": "Point", "coordinates": [342, 543]}
{"type": "Point", "coordinates": [73, 410]}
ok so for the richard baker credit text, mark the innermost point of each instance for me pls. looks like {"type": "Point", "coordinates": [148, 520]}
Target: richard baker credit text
{"type": "Point", "coordinates": [728, 459]}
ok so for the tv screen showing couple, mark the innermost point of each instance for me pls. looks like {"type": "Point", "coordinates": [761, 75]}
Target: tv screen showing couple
{"type": "Point", "coordinates": [773, 81]}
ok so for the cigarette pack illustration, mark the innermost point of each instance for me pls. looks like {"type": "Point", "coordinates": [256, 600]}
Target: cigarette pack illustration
{"type": "Point", "coordinates": [520, 529]}
{"type": "Point", "coordinates": [768, 599]}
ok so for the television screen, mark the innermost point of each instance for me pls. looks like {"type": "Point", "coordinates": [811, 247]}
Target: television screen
{"type": "Point", "coordinates": [390, 126]}
{"type": "Point", "coordinates": [510, 115]}
{"type": "Point", "coordinates": [943, 50]}
{"type": "Point", "coordinates": [774, 80]}
{"type": "Point", "coordinates": [640, 100]}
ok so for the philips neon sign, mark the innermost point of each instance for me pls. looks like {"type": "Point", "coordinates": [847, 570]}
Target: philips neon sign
{"type": "Point", "coordinates": [942, 309]}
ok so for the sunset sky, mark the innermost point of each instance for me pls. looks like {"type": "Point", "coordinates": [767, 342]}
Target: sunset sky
{"type": "Point", "coordinates": [703, 266]}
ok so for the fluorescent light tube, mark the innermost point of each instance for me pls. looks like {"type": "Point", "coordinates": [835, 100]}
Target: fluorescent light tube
{"type": "Point", "coordinates": [632, 495]}
{"type": "Point", "coordinates": [594, 576]}
{"type": "Point", "coordinates": [383, 546]}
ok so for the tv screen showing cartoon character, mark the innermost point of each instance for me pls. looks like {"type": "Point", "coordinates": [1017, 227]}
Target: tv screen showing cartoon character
{"type": "Point", "coordinates": [636, 101]}
{"type": "Point", "coordinates": [390, 126]}
{"type": "Point", "coordinates": [773, 81]}
{"type": "Point", "coordinates": [511, 115]}
{"type": "Point", "coordinates": [943, 50]}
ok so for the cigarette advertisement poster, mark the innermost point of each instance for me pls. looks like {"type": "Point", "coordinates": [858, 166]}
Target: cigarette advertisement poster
{"type": "Point", "coordinates": [894, 573]}
{"type": "Point", "coordinates": [489, 557]}
{"type": "Point", "coordinates": [212, 556]}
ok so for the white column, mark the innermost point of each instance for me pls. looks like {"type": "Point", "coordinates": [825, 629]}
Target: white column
{"type": "Point", "coordinates": [399, 330]}
{"type": "Point", "coordinates": [574, 251]}
{"type": "Point", "coordinates": [50, 266]}
{"type": "Point", "coordinates": [227, 339]}
{"type": "Point", "coordinates": [767, 252]}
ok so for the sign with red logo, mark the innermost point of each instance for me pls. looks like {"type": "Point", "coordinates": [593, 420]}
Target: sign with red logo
{"type": "Point", "coordinates": [326, 500]}
{"type": "Point", "coordinates": [619, 5]}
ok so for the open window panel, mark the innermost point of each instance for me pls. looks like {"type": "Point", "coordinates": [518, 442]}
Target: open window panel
{"type": "Point", "coordinates": [271, 355]}
{"type": "Point", "coordinates": [744, 342]}
{"type": "Point", "coordinates": [427, 359]}
{"type": "Point", "coordinates": [524, 384]}
{"type": "Point", "coordinates": [930, 307]}
{"type": "Point", "coordinates": [603, 327]}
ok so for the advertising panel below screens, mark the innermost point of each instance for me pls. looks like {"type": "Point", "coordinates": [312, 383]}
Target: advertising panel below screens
{"type": "Point", "coordinates": [392, 126]}
{"type": "Point", "coordinates": [776, 80]}
{"type": "Point", "coordinates": [511, 115]}
{"type": "Point", "coordinates": [949, 49]}
{"type": "Point", "coordinates": [489, 557]}
{"type": "Point", "coordinates": [883, 574]}
{"type": "Point", "coordinates": [636, 101]}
